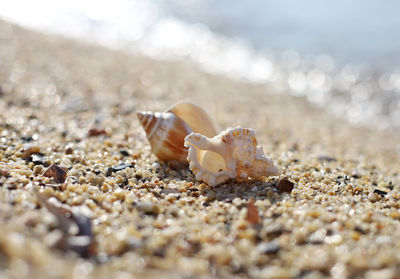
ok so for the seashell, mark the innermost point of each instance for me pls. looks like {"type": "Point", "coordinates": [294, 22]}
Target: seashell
{"type": "Point", "coordinates": [166, 131]}
{"type": "Point", "coordinates": [196, 118]}
{"type": "Point", "coordinates": [231, 154]}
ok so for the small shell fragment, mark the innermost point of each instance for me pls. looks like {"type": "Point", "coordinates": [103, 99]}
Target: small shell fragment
{"type": "Point", "coordinates": [231, 154]}
{"type": "Point", "coordinates": [58, 173]}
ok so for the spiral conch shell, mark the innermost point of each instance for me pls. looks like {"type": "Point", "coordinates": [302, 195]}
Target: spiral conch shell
{"type": "Point", "coordinates": [231, 154]}
{"type": "Point", "coordinates": [167, 130]}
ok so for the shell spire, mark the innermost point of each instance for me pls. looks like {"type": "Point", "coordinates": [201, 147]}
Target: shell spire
{"type": "Point", "coordinates": [167, 130]}
{"type": "Point", "coordinates": [166, 133]}
{"type": "Point", "coordinates": [231, 154]}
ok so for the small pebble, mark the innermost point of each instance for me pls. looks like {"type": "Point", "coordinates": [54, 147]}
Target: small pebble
{"type": "Point", "coordinates": [122, 167]}
{"type": "Point", "coordinates": [94, 132]}
{"type": "Point", "coordinates": [285, 186]}
{"type": "Point", "coordinates": [124, 152]}
{"type": "Point", "coordinates": [148, 208]}
{"type": "Point", "coordinates": [379, 192]}
{"type": "Point", "coordinates": [58, 173]}
{"type": "Point", "coordinates": [269, 248]}
{"type": "Point", "coordinates": [38, 159]}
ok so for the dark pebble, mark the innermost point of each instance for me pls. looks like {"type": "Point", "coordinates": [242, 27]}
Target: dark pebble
{"type": "Point", "coordinates": [379, 192]}
{"type": "Point", "coordinates": [27, 138]}
{"type": "Point", "coordinates": [109, 171]}
{"type": "Point", "coordinates": [125, 183]}
{"type": "Point", "coordinates": [69, 151]}
{"type": "Point", "coordinates": [359, 229]}
{"type": "Point", "coordinates": [94, 132]}
{"type": "Point", "coordinates": [58, 173]}
{"type": "Point", "coordinates": [285, 186]}
{"type": "Point", "coordinates": [124, 152]}
{"type": "Point", "coordinates": [206, 204]}
{"type": "Point", "coordinates": [11, 186]}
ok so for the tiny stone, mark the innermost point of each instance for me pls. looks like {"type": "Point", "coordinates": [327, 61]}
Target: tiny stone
{"type": "Point", "coordinates": [317, 237]}
{"type": "Point", "coordinates": [268, 248]}
{"type": "Point", "coordinates": [109, 171]}
{"type": "Point", "coordinates": [122, 167]}
{"type": "Point", "coordinates": [69, 151]}
{"type": "Point", "coordinates": [124, 152]}
{"type": "Point", "coordinates": [148, 208]}
{"type": "Point", "coordinates": [58, 173]}
{"type": "Point", "coordinates": [94, 132]}
{"type": "Point", "coordinates": [285, 186]}
{"type": "Point", "coordinates": [379, 192]}
{"type": "Point", "coordinates": [27, 138]}
{"type": "Point", "coordinates": [38, 159]}
{"type": "Point", "coordinates": [155, 166]}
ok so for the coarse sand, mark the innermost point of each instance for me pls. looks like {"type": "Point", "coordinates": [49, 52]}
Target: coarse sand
{"type": "Point", "coordinates": [82, 196]}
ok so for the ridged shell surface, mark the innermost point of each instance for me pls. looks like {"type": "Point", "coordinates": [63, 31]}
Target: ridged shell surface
{"type": "Point", "coordinates": [231, 154]}
{"type": "Point", "coordinates": [166, 133]}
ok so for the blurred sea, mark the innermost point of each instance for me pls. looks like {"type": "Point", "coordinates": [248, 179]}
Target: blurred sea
{"type": "Point", "coordinates": [343, 55]}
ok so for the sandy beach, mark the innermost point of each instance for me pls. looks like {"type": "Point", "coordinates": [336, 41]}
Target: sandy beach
{"type": "Point", "coordinates": [111, 209]}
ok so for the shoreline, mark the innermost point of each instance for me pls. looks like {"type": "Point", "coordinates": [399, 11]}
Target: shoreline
{"type": "Point", "coordinates": [152, 220]}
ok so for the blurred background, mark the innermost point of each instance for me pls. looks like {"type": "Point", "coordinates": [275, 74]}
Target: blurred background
{"type": "Point", "coordinates": [343, 56]}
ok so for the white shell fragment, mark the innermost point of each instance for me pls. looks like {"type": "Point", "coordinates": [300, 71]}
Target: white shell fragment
{"type": "Point", "coordinates": [167, 130]}
{"type": "Point", "coordinates": [231, 154]}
